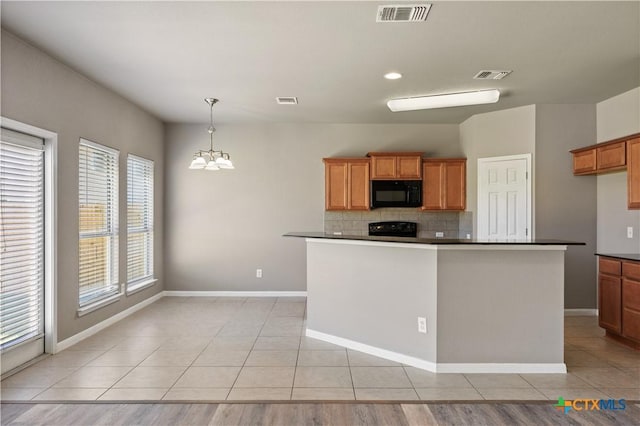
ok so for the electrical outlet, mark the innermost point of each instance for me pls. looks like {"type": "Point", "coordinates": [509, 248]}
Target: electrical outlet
{"type": "Point", "coordinates": [468, 236]}
{"type": "Point", "coordinates": [439, 234]}
{"type": "Point", "coordinates": [629, 231]}
{"type": "Point", "coordinates": [422, 325]}
{"type": "Point", "coordinates": [258, 273]}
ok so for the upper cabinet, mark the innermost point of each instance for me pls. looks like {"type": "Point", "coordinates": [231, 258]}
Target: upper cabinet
{"type": "Point", "coordinates": [444, 184]}
{"type": "Point", "coordinates": [633, 173]}
{"type": "Point", "coordinates": [346, 183]}
{"type": "Point", "coordinates": [396, 165]}
{"type": "Point", "coordinates": [618, 154]}
{"type": "Point", "coordinates": [584, 162]}
{"type": "Point", "coordinates": [611, 156]}
{"type": "Point", "coordinates": [601, 158]}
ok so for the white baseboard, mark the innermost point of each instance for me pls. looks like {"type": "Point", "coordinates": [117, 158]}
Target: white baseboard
{"type": "Point", "coordinates": [518, 368]}
{"type": "Point", "coordinates": [76, 338]}
{"type": "Point", "coordinates": [515, 368]}
{"type": "Point", "coordinates": [580, 312]}
{"type": "Point", "coordinates": [372, 350]}
{"type": "Point", "coordinates": [197, 293]}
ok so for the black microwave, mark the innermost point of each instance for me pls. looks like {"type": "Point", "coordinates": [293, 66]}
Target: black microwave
{"type": "Point", "coordinates": [396, 193]}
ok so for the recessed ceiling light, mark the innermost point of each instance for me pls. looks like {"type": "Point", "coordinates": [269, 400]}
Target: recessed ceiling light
{"type": "Point", "coordinates": [445, 100]}
{"type": "Point", "coordinates": [392, 75]}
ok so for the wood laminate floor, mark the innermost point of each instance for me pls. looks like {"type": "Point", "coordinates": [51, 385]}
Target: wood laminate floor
{"type": "Point", "coordinates": [458, 414]}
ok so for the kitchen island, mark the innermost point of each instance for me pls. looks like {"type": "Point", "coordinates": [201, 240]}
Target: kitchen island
{"type": "Point", "coordinates": [488, 306]}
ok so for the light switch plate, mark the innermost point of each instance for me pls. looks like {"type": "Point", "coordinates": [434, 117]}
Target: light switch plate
{"type": "Point", "coordinates": [629, 231]}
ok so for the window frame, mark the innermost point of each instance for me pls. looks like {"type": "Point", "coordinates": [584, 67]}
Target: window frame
{"type": "Point", "coordinates": [112, 291]}
{"type": "Point", "coordinates": [28, 151]}
{"type": "Point", "coordinates": [137, 283]}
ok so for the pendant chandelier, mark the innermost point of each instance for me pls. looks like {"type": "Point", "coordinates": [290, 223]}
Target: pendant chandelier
{"type": "Point", "coordinates": [211, 159]}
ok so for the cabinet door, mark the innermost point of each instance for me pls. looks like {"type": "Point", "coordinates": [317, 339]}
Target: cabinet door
{"type": "Point", "coordinates": [631, 270]}
{"type": "Point", "coordinates": [584, 162]}
{"type": "Point", "coordinates": [609, 306]}
{"type": "Point", "coordinates": [455, 193]}
{"type": "Point", "coordinates": [631, 309]}
{"type": "Point", "coordinates": [383, 167]}
{"type": "Point", "coordinates": [609, 266]}
{"type": "Point", "coordinates": [433, 186]}
{"type": "Point", "coordinates": [335, 178]}
{"type": "Point", "coordinates": [611, 157]}
{"type": "Point", "coordinates": [633, 173]}
{"type": "Point", "coordinates": [409, 167]}
{"type": "Point", "coordinates": [358, 186]}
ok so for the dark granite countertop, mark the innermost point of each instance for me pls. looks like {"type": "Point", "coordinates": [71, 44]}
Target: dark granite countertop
{"type": "Point", "coordinates": [623, 256]}
{"type": "Point", "coordinates": [438, 241]}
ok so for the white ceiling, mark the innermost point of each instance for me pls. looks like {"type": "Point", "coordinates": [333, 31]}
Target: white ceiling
{"type": "Point", "coordinates": [168, 56]}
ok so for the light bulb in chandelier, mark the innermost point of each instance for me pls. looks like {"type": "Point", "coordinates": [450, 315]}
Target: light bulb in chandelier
{"type": "Point", "coordinates": [198, 162]}
{"type": "Point", "coordinates": [211, 165]}
{"type": "Point", "coordinates": [224, 162]}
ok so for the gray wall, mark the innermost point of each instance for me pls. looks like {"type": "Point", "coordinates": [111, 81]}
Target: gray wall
{"type": "Point", "coordinates": [221, 226]}
{"type": "Point", "coordinates": [495, 134]}
{"type": "Point", "coordinates": [616, 117]}
{"type": "Point", "coordinates": [42, 92]}
{"type": "Point", "coordinates": [565, 205]}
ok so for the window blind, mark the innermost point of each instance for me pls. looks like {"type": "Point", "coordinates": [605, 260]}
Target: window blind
{"type": "Point", "coordinates": [98, 200]}
{"type": "Point", "coordinates": [139, 220]}
{"type": "Point", "coordinates": [21, 238]}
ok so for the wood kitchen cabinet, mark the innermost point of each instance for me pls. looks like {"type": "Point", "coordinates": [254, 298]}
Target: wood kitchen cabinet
{"type": "Point", "coordinates": [633, 173]}
{"type": "Point", "coordinates": [444, 184]}
{"type": "Point", "coordinates": [610, 157]}
{"type": "Point", "coordinates": [584, 162]}
{"type": "Point", "coordinates": [610, 295]}
{"type": "Point", "coordinates": [346, 183]}
{"type": "Point", "coordinates": [619, 299]}
{"type": "Point", "coordinates": [601, 158]}
{"type": "Point", "coordinates": [618, 154]}
{"type": "Point", "coordinates": [396, 165]}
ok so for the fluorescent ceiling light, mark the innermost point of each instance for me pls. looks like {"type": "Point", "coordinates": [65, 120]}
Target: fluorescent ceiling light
{"type": "Point", "coordinates": [392, 75]}
{"type": "Point", "coordinates": [445, 100]}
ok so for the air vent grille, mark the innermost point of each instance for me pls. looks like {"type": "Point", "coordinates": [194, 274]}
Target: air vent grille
{"type": "Point", "coordinates": [403, 13]}
{"type": "Point", "coordinates": [287, 100]}
{"type": "Point", "coordinates": [491, 75]}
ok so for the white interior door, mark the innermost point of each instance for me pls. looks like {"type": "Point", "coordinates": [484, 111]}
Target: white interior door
{"type": "Point", "coordinates": [504, 198]}
{"type": "Point", "coordinates": [22, 257]}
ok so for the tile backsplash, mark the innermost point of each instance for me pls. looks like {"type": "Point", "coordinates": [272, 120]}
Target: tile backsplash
{"type": "Point", "coordinates": [453, 224]}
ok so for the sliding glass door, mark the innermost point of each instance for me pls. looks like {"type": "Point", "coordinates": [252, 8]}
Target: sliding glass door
{"type": "Point", "coordinates": [21, 248]}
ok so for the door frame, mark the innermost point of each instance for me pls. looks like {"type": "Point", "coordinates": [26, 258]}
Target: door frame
{"type": "Point", "coordinates": [528, 157]}
{"type": "Point", "coordinates": [50, 226]}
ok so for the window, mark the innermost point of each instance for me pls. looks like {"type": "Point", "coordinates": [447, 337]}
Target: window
{"type": "Point", "coordinates": [98, 223]}
{"type": "Point", "coordinates": [139, 222]}
{"type": "Point", "coordinates": [21, 239]}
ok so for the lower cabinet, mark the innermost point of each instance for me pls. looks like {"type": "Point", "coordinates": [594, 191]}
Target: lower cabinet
{"type": "Point", "coordinates": [631, 309]}
{"type": "Point", "coordinates": [619, 299]}
{"type": "Point", "coordinates": [610, 306]}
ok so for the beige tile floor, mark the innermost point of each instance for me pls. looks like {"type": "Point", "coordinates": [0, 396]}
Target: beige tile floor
{"type": "Point", "coordinates": [182, 348]}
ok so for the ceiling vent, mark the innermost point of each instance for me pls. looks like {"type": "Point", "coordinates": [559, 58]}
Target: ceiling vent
{"type": "Point", "coordinates": [287, 100]}
{"type": "Point", "coordinates": [403, 13]}
{"type": "Point", "coordinates": [491, 75]}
